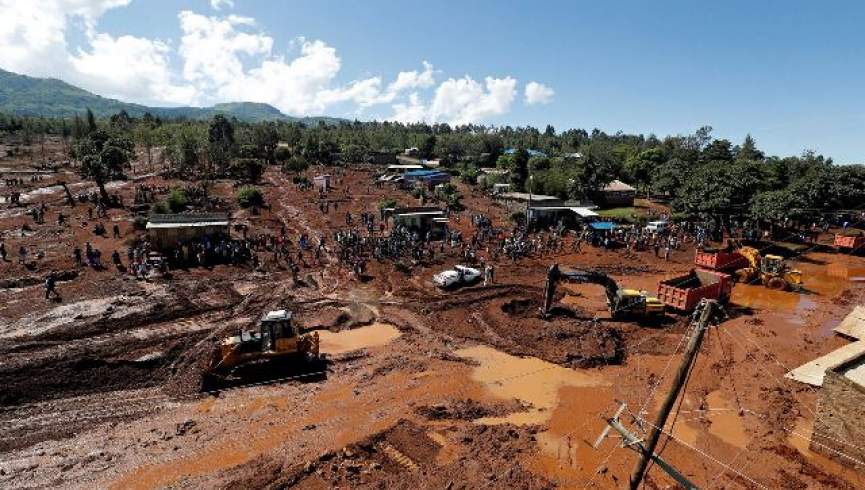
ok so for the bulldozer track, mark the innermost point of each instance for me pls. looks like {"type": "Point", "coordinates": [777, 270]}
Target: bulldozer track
{"type": "Point", "coordinates": [166, 329]}
{"type": "Point", "coordinates": [398, 456]}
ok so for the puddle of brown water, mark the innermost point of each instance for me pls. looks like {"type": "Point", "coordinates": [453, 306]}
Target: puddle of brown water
{"type": "Point", "coordinates": [845, 271]}
{"type": "Point", "coordinates": [374, 335]}
{"type": "Point", "coordinates": [727, 425]}
{"type": "Point", "coordinates": [528, 379]}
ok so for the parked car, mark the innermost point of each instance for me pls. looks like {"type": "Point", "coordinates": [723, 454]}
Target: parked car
{"type": "Point", "coordinates": [458, 276]}
{"type": "Point", "coordinates": [657, 226]}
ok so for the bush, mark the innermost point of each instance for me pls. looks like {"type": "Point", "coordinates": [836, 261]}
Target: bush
{"type": "Point", "coordinates": [282, 154]}
{"type": "Point", "coordinates": [250, 196]}
{"type": "Point", "coordinates": [518, 217]}
{"type": "Point", "coordinates": [248, 169]}
{"type": "Point", "coordinates": [177, 200]}
{"type": "Point", "coordinates": [295, 164]}
{"type": "Point", "coordinates": [161, 208]}
{"type": "Point", "coordinates": [387, 203]}
{"type": "Point", "coordinates": [139, 223]}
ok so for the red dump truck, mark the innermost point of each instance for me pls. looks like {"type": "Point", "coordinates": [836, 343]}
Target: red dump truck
{"type": "Point", "coordinates": [684, 292]}
{"type": "Point", "coordinates": [850, 242]}
{"type": "Point", "coordinates": [720, 260]}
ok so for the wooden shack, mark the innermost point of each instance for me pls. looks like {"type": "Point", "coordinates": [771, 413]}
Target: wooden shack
{"type": "Point", "coordinates": [166, 230]}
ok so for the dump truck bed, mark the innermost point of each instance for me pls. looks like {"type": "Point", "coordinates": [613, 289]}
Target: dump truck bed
{"type": "Point", "coordinates": [720, 260]}
{"type": "Point", "coordinates": [684, 292]}
{"type": "Point", "coordinates": [851, 241]}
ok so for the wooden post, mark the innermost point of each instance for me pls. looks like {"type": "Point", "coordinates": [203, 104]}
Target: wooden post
{"type": "Point", "coordinates": [705, 315]}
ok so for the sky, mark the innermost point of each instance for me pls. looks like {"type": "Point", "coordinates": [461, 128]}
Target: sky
{"type": "Point", "coordinates": [788, 72]}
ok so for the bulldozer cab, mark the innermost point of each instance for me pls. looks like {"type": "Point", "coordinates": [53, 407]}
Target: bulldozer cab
{"type": "Point", "coordinates": [772, 264]}
{"type": "Point", "coordinates": [275, 325]}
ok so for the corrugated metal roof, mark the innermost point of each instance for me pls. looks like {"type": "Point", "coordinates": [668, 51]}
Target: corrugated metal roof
{"type": "Point", "coordinates": [618, 186]}
{"type": "Point", "coordinates": [187, 218]}
{"type": "Point", "coordinates": [193, 224]}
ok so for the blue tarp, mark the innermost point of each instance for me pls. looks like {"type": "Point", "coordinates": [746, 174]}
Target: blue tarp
{"type": "Point", "coordinates": [422, 173]}
{"type": "Point", "coordinates": [602, 225]}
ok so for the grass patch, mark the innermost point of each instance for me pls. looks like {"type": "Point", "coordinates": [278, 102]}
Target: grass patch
{"type": "Point", "coordinates": [630, 213]}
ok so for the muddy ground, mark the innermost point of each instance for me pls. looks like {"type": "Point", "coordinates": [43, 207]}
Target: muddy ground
{"type": "Point", "coordinates": [420, 388]}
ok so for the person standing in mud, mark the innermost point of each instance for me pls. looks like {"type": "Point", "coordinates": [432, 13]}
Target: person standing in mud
{"type": "Point", "coordinates": [76, 254]}
{"type": "Point", "coordinates": [3, 251]}
{"type": "Point", "coordinates": [51, 285]}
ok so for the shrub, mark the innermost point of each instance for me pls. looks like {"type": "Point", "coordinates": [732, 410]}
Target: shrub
{"type": "Point", "coordinates": [177, 200]}
{"type": "Point", "coordinates": [250, 196]}
{"type": "Point", "coordinates": [282, 154]}
{"type": "Point", "coordinates": [297, 163]}
{"type": "Point", "coordinates": [518, 217]}
{"type": "Point", "coordinates": [161, 208]}
{"type": "Point", "coordinates": [139, 223]}
{"type": "Point", "coordinates": [387, 203]}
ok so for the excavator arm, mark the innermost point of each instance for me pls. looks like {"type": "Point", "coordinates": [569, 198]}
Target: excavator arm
{"type": "Point", "coordinates": [555, 275]}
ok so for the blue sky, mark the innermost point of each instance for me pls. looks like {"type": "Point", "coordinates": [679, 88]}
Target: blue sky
{"type": "Point", "coordinates": [789, 72]}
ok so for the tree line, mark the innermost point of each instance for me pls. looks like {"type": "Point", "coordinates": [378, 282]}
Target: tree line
{"type": "Point", "coordinates": [701, 175]}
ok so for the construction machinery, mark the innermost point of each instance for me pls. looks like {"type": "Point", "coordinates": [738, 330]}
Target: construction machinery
{"type": "Point", "coordinates": [770, 270]}
{"type": "Point", "coordinates": [276, 338]}
{"type": "Point", "coordinates": [621, 302]}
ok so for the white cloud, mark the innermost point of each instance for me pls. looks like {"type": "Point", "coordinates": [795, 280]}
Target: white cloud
{"type": "Point", "coordinates": [218, 4]}
{"type": "Point", "coordinates": [33, 41]}
{"type": "Point", "coordinates": [413, 111]}
{"type": "Point", "coordinates": [538, 93]}
{"type": "Point", "coordinates": [145, 72]}
{"type": "Point", "coordinates": [461, 101]}
{"type": "Point", "coordinates": [407, 80]}
{"type": "Point", "coordinates": [224, 58]}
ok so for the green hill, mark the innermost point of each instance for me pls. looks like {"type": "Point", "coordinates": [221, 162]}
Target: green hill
{"type": "Point", "coordinates": [28, 96]}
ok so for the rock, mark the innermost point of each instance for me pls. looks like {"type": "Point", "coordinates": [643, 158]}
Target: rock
{"type": "Point", "coordinates": [183, 427]}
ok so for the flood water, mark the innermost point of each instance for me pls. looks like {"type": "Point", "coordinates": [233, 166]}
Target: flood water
{"type": "Point", "coordinates": [531, 380]}
{"type": "Point", "coordinates": [374, 335]}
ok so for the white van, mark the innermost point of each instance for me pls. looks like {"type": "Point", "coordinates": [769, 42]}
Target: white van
{"type": "Point", "coordinates": [657, 226]}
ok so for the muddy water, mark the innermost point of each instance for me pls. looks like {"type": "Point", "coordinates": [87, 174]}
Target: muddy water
{"type": "Point", "coordinates": [727, 424]}
{"type": "Point", "coordinates": [819, 281]}
{"type": "Point", "coordinates": [374, 335]}
{"type": "Point", "coordinates": [534, 382]}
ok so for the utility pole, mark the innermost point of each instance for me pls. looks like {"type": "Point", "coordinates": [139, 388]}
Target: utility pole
{"type": "Point", "coordinates": [704, 312]}
{"type": "Point", "coordinates": [631, 440]}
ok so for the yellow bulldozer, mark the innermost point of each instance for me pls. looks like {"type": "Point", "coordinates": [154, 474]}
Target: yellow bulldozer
{"type": "Point", "coordinates": [276, 338]}
{"type": "Point", "coordinates": [770, 270]}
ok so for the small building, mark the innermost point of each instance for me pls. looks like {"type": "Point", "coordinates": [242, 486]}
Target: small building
{"type": "Point", "coordinates": [570, 215]}
{"type": "Point", "coordinates": [407, 160]}
{"type": "Point", "coordinates": [165, 230]}
{"type": "Point", "coordinates": [427, 178]}
{"type": "Point", "coordinates": [841, 414]}
{"type": "Point", "coordinates": [531, 152]}
{"type": "Point", "coordinates": [500, 189]}
{"type": "Point", "coordinates": [321, 182]}
{"type": "Point", "coordinates": [411, 152]}
{"type": "Point", "coordinates": [422, 219]}
{"type": "Point", "coordinates": [616, 194]}
{"type": "Point", "coordinates": [532, 200]}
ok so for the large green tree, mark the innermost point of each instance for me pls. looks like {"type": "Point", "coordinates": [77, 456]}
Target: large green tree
{"type": "Point", "coordinates": [103, 157]}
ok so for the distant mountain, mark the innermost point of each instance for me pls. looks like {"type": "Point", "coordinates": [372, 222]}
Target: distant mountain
{"type": "Point", "coordinates": [28, 96]}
